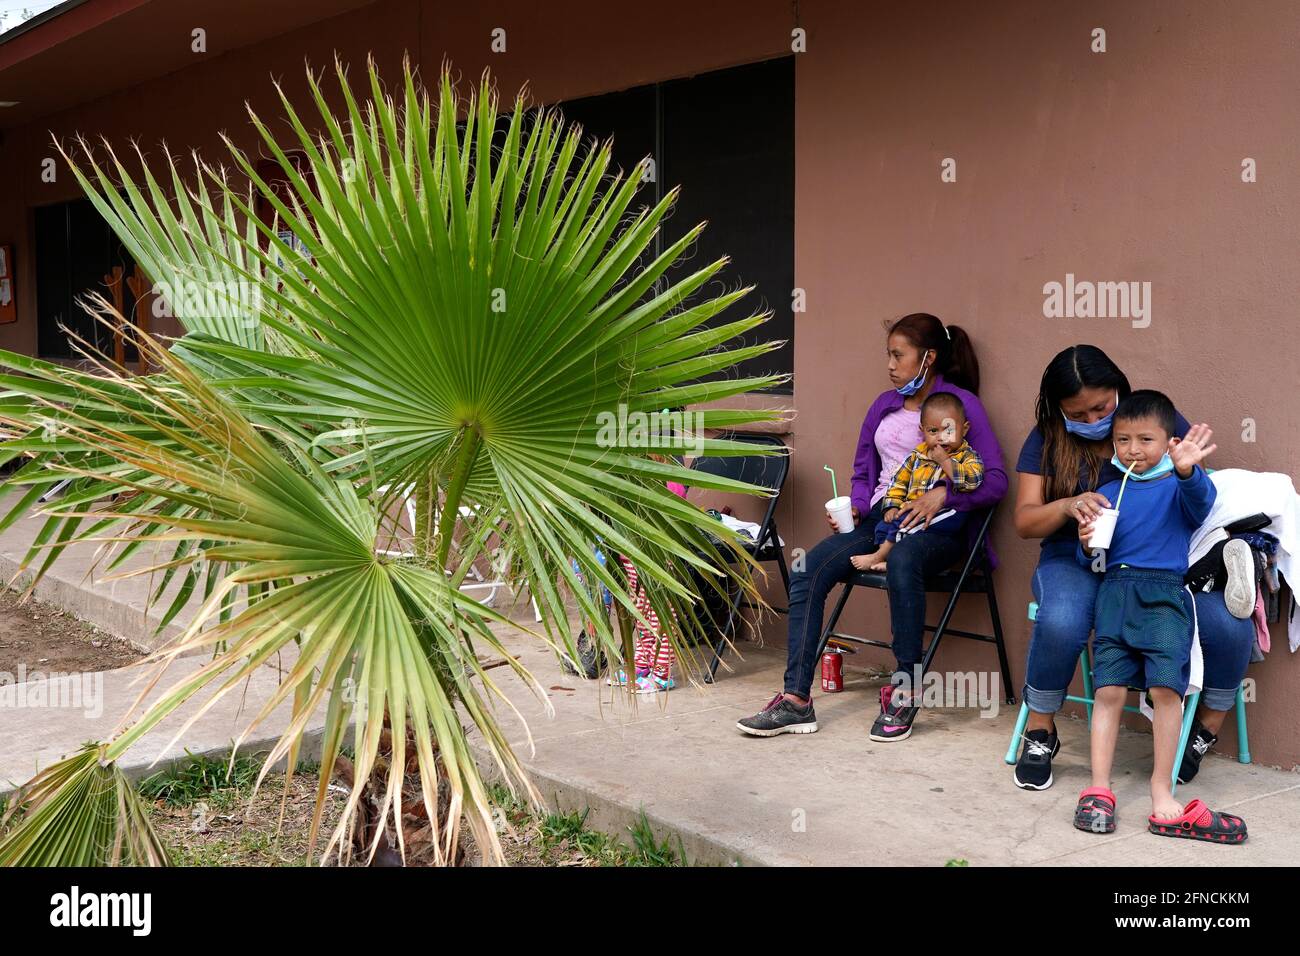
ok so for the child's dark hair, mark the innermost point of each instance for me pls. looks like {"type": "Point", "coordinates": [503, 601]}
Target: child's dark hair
{"type": "Point", "coordinates": [944, 402]}
{"type": "Point", "coordinates": [1148, 403]}
{"type": "Point", "coordinates": [954, 355]}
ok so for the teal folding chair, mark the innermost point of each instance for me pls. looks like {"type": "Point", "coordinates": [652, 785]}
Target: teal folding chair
{"type": "Point", "coordinates": [1189, 713]}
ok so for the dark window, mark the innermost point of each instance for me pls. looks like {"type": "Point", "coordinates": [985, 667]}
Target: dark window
{"type": "Point", "coordinates": [75, 251]}
{"type": "Point", "coordinates": [727, 138]}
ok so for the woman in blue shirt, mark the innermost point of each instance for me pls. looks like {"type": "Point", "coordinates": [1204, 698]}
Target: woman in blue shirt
{"type": "Point", "coordinates": [1063, 461]}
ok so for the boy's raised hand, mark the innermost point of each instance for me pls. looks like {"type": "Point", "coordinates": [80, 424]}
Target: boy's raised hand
{"type": "Point", "coordinates": [1192, 450]}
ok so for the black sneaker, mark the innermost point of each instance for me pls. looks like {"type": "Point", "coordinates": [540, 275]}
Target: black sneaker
{"type": "Point", "coordinates": [780, 716]}
{"type": "Point", "coordinates": [1034, 768]}
{"type": "Point", "coordinates": [1199, 742]}
{"type": "Point", "coordinates": [895, 720]}
{"type": "Point", "coordinates": [590, 658]}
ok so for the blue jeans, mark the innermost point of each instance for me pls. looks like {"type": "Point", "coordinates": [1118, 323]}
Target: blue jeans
{"type": "Point", "coordinates": [1066, 593]}
{"type": "Point", "coordinates": [911, 561]}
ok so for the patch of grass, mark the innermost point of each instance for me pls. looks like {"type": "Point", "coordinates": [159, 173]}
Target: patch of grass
{"type": "Point", "coordinates": [649, 852]}
{"type": "Point", "coordinates": [215, 781]}
{"type": "Point", "coordinates": [564, 839]}
{"type": "Point", "coordinates": [957, 863]}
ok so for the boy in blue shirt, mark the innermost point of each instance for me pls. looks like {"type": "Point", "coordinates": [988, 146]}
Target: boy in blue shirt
{"type": "Point", "coordinates": [1143, 628]}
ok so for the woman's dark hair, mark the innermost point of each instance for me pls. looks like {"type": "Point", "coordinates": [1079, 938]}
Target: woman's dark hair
{"type": "Point", "coordinates": [954, 354]}
{"type": "Point", "coordinates": [1067, 458]}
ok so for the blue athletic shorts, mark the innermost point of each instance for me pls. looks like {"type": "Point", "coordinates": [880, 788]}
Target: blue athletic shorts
{"type": "Point", "coordinates": [1143, 630]}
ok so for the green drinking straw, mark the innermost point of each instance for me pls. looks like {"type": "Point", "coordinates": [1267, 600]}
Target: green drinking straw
{"type": "Point", "coordinates": [834, 492]}
{"type": "Point", "coordinates": [1120, 497]}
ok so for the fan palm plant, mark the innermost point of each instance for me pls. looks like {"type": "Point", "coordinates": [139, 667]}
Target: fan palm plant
{"type": "Point", "coordinates": [448, 303]}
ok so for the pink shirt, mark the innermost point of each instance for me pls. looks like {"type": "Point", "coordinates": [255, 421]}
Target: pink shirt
{"type": "Point", "coordinates": [896, 435]}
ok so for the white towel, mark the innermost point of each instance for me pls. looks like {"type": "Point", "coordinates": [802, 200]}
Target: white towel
{"type": "Point", "coordinates": [748, 528]}
{"type": "Point", "coordinates": [1242, 493]}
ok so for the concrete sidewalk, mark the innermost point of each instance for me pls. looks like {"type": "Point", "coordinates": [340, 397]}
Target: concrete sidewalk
{"type": "Point", "coordinates": [32, 738]}
{"type": "Point", "coordinates": [837, 798]}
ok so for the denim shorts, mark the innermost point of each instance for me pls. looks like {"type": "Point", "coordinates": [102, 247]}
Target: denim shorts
{"type": "Point", "coordinates": [1143, 630]}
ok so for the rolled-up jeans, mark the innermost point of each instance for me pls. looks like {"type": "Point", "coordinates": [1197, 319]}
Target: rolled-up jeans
{"type": "Point", "coordinates": [913, 559]}
{"type": "Point", "coordinates": [1066, 593]}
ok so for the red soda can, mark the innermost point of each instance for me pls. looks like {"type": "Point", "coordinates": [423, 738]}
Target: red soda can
{"type": "Point", "coordinates": [833, 672]}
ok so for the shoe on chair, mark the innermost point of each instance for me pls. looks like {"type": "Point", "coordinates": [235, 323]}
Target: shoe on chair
{"type": "Point", "coordinates": [1239, 592]}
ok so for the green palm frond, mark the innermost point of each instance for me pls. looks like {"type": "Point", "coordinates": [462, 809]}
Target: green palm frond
{"type": "Point", "coordinates": [367, 637]}
{"type": "Point", "coordinates": [469, 300]}
{"type": "Point", "coordinates": [80, 811]}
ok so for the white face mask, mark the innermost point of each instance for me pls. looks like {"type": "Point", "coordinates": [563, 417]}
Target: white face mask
{"type": "Point", "coordinates": [1162, 467]}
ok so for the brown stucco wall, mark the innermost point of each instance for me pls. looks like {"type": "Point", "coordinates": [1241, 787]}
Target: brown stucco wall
{"type": "Point", "coordinates": [1117, 166]}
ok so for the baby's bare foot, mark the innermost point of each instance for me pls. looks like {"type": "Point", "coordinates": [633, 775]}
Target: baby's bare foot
{"type": "Point", "coordinates": [878, 566]}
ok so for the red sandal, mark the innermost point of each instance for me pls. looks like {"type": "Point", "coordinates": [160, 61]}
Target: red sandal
{"type": "Point", "coordinates": [1199, 822]}
{"type": "Point", "coordinates": [1096, 811]}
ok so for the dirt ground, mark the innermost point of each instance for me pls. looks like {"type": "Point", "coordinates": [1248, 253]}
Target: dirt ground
{"type": "Point", "coordinates": [227, 829]}
{"type": "Point", "coordinates": [221, 826]}
{"type": "Point", "coordinates": [44, 637]}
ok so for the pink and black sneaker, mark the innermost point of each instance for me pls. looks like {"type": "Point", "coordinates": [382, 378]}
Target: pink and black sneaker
{"type": "Point", "coordinates": [896, 715]}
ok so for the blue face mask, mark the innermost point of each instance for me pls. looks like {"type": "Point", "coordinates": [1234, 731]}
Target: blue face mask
{"type": "Point", "coordinates": [916, 384]}
{"type": "Point", "coordinates": [1163, 467]}
{"type": "Point", "coordinates": [1093, 431]}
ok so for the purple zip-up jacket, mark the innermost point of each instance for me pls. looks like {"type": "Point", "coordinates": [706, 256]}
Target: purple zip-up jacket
{"type": "Point", "coordinates": [866, 463]}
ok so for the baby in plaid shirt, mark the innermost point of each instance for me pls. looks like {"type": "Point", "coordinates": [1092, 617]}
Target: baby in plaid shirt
{"type": "Point", "coordinates": [943, 453]}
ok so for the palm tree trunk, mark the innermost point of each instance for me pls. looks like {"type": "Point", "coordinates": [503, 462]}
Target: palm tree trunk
{"type": "Point", "coordinates": [470, 442]}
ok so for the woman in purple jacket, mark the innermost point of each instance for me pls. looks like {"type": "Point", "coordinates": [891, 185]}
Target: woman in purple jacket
{"type": "Point", "coordinates": [925, 356]}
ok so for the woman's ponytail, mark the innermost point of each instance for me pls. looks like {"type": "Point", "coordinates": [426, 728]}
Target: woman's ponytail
{"type": "Point", "coordinates": [963, 368]}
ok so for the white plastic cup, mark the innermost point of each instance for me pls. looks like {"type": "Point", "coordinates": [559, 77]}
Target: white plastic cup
{"type": "Point", "coordinates": [841, 511]}
{"type": "Point", "coordinates": [1103, 528]}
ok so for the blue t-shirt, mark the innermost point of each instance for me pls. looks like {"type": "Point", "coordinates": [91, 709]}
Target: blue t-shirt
{"type": "Point", "coordinates": [1156, 521]}
{"type": "Point", "coordinates": [1030, 462]}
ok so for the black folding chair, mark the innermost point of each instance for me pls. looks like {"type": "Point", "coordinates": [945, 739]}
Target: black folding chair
{"type": "Point", "coordinates": [975, 577]}
{"type": "Point", "coordinates": [764, 471]}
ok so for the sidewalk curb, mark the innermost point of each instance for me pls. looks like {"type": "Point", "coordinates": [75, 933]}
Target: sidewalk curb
{"type": "Point", "coordinates": [615, 818]}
